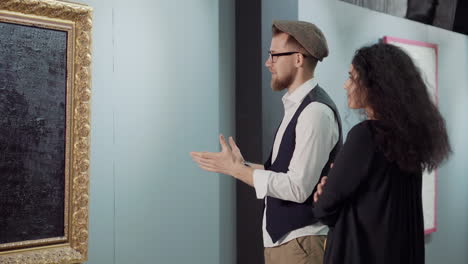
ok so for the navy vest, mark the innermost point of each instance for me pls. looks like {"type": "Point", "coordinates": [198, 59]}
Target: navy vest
{"type": "Point", "coordinates": [282, 216]}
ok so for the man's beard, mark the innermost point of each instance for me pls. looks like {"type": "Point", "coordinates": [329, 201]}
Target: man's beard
{"type": "Point", "coordinates": [278, 84]}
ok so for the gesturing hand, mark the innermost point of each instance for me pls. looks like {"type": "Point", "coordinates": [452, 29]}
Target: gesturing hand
{"type": "Point", "coordinates": [220, 162]}
{"type": "Point", "coordinates": [236, 151]}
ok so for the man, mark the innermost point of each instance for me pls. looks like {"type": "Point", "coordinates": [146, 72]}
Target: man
{"type": "Point", "coordinates": [304, 148]}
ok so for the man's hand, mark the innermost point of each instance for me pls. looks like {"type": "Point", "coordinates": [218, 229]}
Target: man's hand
{"type": "Point", "coordinates": [235, 150]}
{"type": "Point", "coordinates": [229, 161]}
{"type": "Point", "coordinates": [220, 162]}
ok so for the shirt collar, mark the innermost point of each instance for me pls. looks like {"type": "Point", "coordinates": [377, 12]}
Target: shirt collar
{"type": "Point", "coordinates": [298, 95]}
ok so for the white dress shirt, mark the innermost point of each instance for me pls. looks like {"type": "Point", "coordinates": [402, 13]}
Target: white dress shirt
{"type": "Point", "coordinates": [316, 134]}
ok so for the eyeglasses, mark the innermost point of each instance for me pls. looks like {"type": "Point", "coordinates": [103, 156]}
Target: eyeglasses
{"type": "Point", "coordinates": [273, 57]}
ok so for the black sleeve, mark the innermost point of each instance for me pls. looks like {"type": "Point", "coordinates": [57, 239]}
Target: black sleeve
{"type": "Point", "coordinates": [350, 169]}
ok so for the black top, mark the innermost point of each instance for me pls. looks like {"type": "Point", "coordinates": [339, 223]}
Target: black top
{"type": "Point", "coordinates": [373, 208]}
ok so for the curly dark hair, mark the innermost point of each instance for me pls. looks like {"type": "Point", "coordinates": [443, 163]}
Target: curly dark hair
{"type": "Point", "coordinates": [411, 131]}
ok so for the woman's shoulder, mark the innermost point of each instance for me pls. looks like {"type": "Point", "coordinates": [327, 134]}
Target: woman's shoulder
{"type": "Point", "coordinates": [365, 127]}
{"type": "Point", "coordinates": [364, 132]}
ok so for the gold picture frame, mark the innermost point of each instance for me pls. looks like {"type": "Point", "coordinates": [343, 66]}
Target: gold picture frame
{"type": "Point", "coordinates": [76, 20]}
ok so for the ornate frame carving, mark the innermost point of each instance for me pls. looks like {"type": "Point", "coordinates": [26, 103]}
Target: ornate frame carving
{"type": "Point", "coordinates": [76, 20]}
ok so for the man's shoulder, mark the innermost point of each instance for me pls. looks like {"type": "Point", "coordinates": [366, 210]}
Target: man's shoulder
{"type": "Point", "coordinates": [318, 108]}
{"type": "Point", "coordinates": [317, 114]}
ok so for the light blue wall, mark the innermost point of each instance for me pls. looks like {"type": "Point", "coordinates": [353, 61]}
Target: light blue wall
{"type": "Point", "coordinates": [348, 27]}
{"type": "Point", "coordinates": [163, 85]}
{"type": "Point", "coordinates": [272, 106]}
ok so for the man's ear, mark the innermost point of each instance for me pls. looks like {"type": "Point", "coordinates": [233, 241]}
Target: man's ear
{"type": "Point", "coordinates": [299, 60]}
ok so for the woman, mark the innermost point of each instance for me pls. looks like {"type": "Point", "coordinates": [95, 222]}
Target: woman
{"type": "Point", "coordinates": [371, 199]}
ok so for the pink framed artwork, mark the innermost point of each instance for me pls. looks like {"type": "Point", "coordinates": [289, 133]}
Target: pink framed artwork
{"type": "Point", "coordinates": [424, 56]}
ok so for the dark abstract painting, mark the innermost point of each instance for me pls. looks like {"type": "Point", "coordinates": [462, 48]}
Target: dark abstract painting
{"type": "Point", "coordinates": [33, 63]}
{"type": "Point", "coordinates": [447, 14]}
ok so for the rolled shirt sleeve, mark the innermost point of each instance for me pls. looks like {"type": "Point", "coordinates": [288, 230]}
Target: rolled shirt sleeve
{"type": "Point", "coordinates": [260, 179]}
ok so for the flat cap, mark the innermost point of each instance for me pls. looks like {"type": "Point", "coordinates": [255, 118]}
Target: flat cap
{"type": "Point", "coordinates": [307, 34]}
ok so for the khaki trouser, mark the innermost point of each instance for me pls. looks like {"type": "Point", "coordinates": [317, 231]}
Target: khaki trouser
{"type": "Point", "coordinates": [301, 250]}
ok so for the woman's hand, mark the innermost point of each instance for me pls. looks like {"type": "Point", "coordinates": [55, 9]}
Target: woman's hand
{"type": "Point", "coordinates": [320, 187]}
